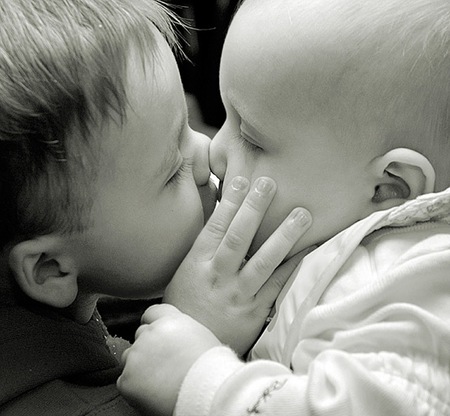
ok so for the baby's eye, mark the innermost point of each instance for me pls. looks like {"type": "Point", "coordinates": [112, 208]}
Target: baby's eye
{"type": "Point", "coordinates": [184, 171]}
{"type": "Point", "coordinates": [247, 144]}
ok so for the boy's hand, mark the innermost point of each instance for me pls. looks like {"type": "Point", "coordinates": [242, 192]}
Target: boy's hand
{"type": "Point", "coordinates": [212, 286]}
{"type": "Point", "coordinates": [166, 346]}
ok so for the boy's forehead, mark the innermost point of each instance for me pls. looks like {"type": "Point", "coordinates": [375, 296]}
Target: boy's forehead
{"type": "Point", "coordinates": [156, 108]}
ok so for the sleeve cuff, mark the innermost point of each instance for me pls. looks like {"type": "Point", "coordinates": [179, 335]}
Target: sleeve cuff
{"type": "Point", "coordinates": [203, 380]}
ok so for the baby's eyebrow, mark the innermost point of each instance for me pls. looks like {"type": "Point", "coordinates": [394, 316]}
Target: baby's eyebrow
{"type": "Point", "coordinates": [171, 155]}
{"type": "Point", "coordinates": [253, 127]}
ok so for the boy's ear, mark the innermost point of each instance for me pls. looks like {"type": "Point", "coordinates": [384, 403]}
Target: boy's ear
{"type": "Point", "coordinates": [400, 175]}
{"type": "Point", "coordinates": [43, 272]}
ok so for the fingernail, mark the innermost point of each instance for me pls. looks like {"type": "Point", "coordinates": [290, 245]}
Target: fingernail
{"type": "Point", "coordinates": [300, 216]}
{"type": "Point", "coordinates": [264, 186]}
{"type": "Point", "coordinates": [239, 183]}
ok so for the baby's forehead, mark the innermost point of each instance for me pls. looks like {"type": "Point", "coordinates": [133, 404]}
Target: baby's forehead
{"type": "Point", "coordinates": [356, 39]}
{"type": "Point", "coordinates": [335, 61]}
{"type": "Point", "coordinates": [359, 22]}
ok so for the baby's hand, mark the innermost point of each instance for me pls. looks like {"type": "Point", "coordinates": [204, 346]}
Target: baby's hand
{"type": "Point", "coordinates": [166, 346]}
{"type": "Point", "coordinates": [212, 287]}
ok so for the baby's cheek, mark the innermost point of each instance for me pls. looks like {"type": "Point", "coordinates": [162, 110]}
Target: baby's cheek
{"type": "Point", "coordinates": [263, 233]}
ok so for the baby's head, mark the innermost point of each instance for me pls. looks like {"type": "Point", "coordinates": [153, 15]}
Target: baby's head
{"type": "Point", "coordinates": [99, 169]}
{"type": "Point", "coordinates": [343, 102]}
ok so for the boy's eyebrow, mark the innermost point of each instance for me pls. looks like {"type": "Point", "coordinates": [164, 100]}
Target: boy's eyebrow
{"type": "Point", "coordinates": [171, 154]}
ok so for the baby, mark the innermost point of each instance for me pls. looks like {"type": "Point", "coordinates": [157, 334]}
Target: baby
{"type": "Point", "coordinates": [345, 104]}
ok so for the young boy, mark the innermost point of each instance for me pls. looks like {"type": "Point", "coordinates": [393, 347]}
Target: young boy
{"type": "Point", "coordinates": [345, 104]}
{"type": "Point", "coordinates": [103, 190]}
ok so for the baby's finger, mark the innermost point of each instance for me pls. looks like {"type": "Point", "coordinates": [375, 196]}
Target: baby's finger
{"type": "Point", "coordinates": [242, 230]}
{"type": "Point", "coordinates": [124, 356]}
{"type": "Point", "coordinates": [215, 229]}
{"type": "Point", "coordinates": [155, 312]}
{"type": "Point", "coordinates": [142, 328]}
{"type": "Point", "coordinates": [263, 263]}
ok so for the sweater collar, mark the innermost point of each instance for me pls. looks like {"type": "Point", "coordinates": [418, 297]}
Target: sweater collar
{"type": "Point", "coordinates": [38, 345]}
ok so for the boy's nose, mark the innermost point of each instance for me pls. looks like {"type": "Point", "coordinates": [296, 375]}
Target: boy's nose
{"type": "Point", "coordinates": [201, 158]}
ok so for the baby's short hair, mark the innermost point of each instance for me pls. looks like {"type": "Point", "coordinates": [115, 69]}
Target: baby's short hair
{"type": "Point", "coordinates": [62, 72]}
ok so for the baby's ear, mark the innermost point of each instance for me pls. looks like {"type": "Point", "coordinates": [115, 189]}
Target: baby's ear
{"type": "Point", "coordinates": [43, 272]}
{"type": "Point", "coordinates": [401, 174]}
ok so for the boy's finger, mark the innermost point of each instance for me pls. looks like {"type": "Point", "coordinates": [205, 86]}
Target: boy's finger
{"type": "Point", "coordinates": [215, 229]}
{"type": "Point", "coordinates": [261, 266]}
{"type": "Point", "coordinates": [272, 288]}
{"type": "Point", "coordinates": [242, 230]}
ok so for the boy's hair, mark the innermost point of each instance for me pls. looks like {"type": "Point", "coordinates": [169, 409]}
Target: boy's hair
{"type": "Point", "coordinates": [62, 73]}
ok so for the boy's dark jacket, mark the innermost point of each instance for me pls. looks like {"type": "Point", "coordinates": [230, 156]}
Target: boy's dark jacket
{"type": "Point", "coordinates": [50, 365]}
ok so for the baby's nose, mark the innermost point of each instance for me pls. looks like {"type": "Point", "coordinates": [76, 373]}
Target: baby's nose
{"type": "Point", "coordinates": [217, 159]}
{"type": "Point", "coordinates": [201, 158]}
